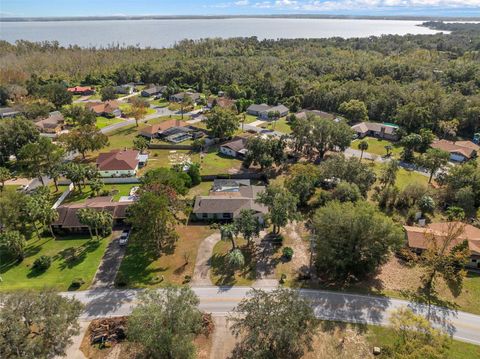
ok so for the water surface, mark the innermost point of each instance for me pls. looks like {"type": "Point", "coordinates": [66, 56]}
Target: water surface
{"type": "Point", "coordinates": [164, 33]}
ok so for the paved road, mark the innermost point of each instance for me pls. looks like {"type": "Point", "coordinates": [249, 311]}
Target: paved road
{"type": "Point", "coordinates": [351, 308]}
{"type": "Point", "coordinates": [159, 112]}
{"type": "Point", "coordinates": [111, 260]}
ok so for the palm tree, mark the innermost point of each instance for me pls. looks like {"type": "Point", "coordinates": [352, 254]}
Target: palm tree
{"type": "Point", "coordinates": [388, 148]}
{"type": "Point", "coordinates": [228, 232]}
{"type": "Point", "coordinates": [362, 146]}
{"type": "Point", "coordinates": [186, 102]}
{"type": "Point", "coordinates": [96, 186]}
{"type": "Point", "coordinates": [86, 217]}
{"type": "Point", "coordinates": [235, 259]}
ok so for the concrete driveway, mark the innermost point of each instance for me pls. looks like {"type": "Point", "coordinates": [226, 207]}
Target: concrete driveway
{"type": "Point", "coordinates": [110, 263]}
{"type": "Point", "coordinates": [201, 273]}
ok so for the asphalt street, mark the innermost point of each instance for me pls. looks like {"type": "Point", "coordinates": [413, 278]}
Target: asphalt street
{"type": "Point", "coordinates": [352, 308]}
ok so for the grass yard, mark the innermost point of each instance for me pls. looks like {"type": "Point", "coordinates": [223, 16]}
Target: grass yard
{"type": "Point", "coordinates": [104, 122]}
{"type": "Point", "coordinates": [404, 177]}
{"type": "Point", "coordinates": [72, 257]}
{"type": "Point", "coordinates": [126, 106]}
{"type": "Point", "coordinates": [200, 190]}
{"type": "Point", "coordinates": [248, 118]}
{"type": "Point", "coordinates": [215, 163]}
{"type": "Point", "coordinates": [221, 274]}
{"type": "Point", "coordinates": [396, 279]}
{"type": "Point", "coordinates": [211, 163]}
{"type": "Point", "coordinates": [281, 125]}
{"type": "Point", "coordinates": [164, 158]}
{"type": "Point", "coordinates": [381, 336]}
{"type": "Point", "coordinates": [344, 340]}
{"type": "Point", "coordinates": [295, 237]}
{"type": "Point", "coordinates": [160, 102]}
{"type": "Point", "coordinates": [117, 190]}
{"type": "Point", "coordinates": [377, 146]}
{"type": "Point", "coordinates": [141, 269]}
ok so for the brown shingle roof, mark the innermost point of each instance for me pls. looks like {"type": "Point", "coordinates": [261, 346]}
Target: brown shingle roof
{"type": "Point", "coordinates": [419, 237]}
{"type": "Point", "coordinates": [230, 202]}
{"type": "Point", "coordinates": [53, 120]}
{"type": "Point", "coordinates": [102, 107]}
{"type": "Point", "coordinates": [117, 160]}
{"type": "Point", "coordinates": [363, 127]}
{"type": "Point", "coordinates": [465, 148]}
{"type": "Point", "coordinates": [162, 126]}
{"type": "Point", "coordinates": [67, 214]}
{"type": "Point", "coordinates": [236, 144]}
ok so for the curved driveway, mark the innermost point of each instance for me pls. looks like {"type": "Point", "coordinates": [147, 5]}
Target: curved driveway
{"type": "Point", "coordinates": [351, 308]}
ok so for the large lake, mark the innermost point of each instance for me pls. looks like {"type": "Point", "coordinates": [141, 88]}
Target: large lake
{"type": "Point", "coordinates": [164, 33]}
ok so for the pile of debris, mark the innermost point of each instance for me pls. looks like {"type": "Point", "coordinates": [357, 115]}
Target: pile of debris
{"type": "Point", "coordinates": [107, 331]}
{"type": "Point", "coordinates": [207, 324]}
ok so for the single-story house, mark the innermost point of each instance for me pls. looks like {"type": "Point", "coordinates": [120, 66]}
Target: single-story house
{"type": "Point", "coordinates": [227, 205]}
{"type": "Point", "coordinates": [263, 110]}
{"type": "Point", "coordinates": [156, 130]}
{"type": "Point", "coordinates": [107, 108]}
{"type": "Point", "coordinates": [125, 89]}
{"type": "Point", "coordinates": [235, 148]}
{"type": "Point", "coordinates": [303, 114]}
{"type": "Point", "coordinates": [68, 219]}
{"type": "Point", "coordinates": [381, 130]}
{"type": "Point", "coordinates": [7, 112]}
{"type": "Point", "coordinates": [460, 151]}
{"type": "Point", "coordinates": [178, 134]}
{"type": "Point", "coordinates": [256, 110]}
{"type": "Point", "coordinates": [52, 124]}
{"type": "Point", "coordinates": [120, 163]}
{"type": "Point", "coordinates": [153, 90]}
{"type": "Point", "coordinates": [178, 97]}
{"type": "Point", "coordinates": [222, 102]}
{"type": "Point", "coordinates": [81, 90]}
{"type": "Point", "coordinates": [420, 237]}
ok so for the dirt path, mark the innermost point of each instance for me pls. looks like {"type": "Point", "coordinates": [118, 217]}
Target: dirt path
{"type": "Point", "coordinates": [201, 273]}
{"type": "Point", "coordinates": [223, 341]}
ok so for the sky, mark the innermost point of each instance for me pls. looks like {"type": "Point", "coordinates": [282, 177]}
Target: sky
{"type": "Point", "coordinates": [44, 8]}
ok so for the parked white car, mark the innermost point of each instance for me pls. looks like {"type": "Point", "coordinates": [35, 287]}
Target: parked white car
{"type": "Point", "coordinates": [124, 237]}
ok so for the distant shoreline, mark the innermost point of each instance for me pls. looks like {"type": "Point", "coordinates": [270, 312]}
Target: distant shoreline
{"type": "Point", "coordinates": [217, 17]}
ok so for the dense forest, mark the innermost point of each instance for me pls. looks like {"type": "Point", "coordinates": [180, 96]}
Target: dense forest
{"type": "Point", "coordinates": [416, 81]}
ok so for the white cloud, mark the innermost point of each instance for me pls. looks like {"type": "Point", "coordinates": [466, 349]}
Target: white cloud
{"type": "Point", "coordinates": [326, 5]}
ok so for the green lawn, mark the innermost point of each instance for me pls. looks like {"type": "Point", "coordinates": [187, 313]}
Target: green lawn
{"type": "Point", "coordinates": [248, 118]}
{"type": "Point", "coordinates": [404, 177]}
{"type": "Point", "coordinates": [200, 190]}
{"type": "Point", "coordinates": [72, 257]}
{"type": "Point", "coordinates": [160, 103]}
{"type": "Point", "coordinates": [77, 196]}
{"type": "Point", "coordinates": [215, 163]}
{"type": "Point", "coordinates": [381, 336]}
{"type": "Point", "coordinates": [221, 274]}
{"type": "Point", "coordinates": [377, 146]}
{"type": "Point", "coordinates": [126, 106]}
{"type": "Point", "coordinates": [212, 163]}
{"type": "Point", "coordinates": [141, 268]}
{"type": "Point", "coordinates": [281, 125]}
{"type": "Point", "coordinates": [104, 122]}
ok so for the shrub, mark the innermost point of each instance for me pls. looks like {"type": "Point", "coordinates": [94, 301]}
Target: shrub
{"type": "Point", "coordinates": [42, 263]}
{"type": "Point", "coordinates": [287, 253]}
{"type": "Point", "coordinates": [77, 283]}
{"type": "Point", "coordinates": [121, 280]}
